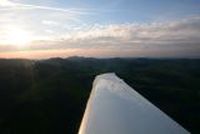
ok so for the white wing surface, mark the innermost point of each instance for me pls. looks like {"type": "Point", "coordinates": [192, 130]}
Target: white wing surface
{"type": "Point", "coordinates": [116, 108]}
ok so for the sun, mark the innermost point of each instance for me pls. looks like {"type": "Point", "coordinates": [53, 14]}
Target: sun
{"type": "Point", "coordinates": [18, 37]}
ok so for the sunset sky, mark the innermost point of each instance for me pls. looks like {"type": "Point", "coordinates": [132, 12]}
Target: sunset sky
{"type": "Point", "coordinates": [99, 28]}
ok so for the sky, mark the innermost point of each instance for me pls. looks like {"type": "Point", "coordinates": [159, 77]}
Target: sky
{"type": "Point", "coordinates": [99, 28]}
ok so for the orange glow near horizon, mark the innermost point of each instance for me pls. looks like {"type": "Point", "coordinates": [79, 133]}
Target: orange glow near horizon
{"type": "Point", "coordinates": [98, 53]}
{"type": "Point", "coordinates": [45, 54]}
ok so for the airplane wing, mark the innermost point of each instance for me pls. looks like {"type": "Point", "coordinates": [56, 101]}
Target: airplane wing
{"type": "Point", "coordinates": [116, 108]}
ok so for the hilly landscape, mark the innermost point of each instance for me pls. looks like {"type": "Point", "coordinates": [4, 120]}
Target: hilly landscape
{"type": "Point", "coordinates": [49, 96]}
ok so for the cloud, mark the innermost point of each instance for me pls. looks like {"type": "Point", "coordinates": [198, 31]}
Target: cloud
{"type": "Point", "coordinates": [6, 3]}
{"type": "Point", "coordinates": [180, 37]}
{"type": "Point", "coordinates": [18, 8]}
{"type": "Point", "coordinates": [177, 37]}
{"type": "Point", "coordinates": [15, 5]}
{"type": "Point", "coordinates": [35, 19]}
{"type": "Point", "coordinates": [50, 23]}
{"type": "Point", "coordinates": [186, 31]}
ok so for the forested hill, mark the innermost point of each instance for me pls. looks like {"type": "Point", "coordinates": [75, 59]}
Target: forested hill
{"type": "Point", "coordinates": [49, 96]}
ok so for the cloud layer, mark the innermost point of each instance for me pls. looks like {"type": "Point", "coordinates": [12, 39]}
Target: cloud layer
{"type": "Point", "coordinates": [57, 28]}
{"type": "Point", "coordinates": [176, 37]}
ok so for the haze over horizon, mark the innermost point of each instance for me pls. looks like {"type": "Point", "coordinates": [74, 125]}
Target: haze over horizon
{"type": "Point", "coordinates": [115, 28]}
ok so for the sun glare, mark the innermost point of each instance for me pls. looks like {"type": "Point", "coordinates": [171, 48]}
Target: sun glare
{"type": "Point", "coordinates": [18, 37]}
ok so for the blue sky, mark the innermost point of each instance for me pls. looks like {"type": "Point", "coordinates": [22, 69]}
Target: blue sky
{"type": "Point", "coordinates": [122, 11]}
{"type": "Point", "coordinates": [138, 28]}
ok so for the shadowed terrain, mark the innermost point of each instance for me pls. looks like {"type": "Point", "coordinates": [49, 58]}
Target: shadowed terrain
{"type": "Point", "coordinates": [49, 96]}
